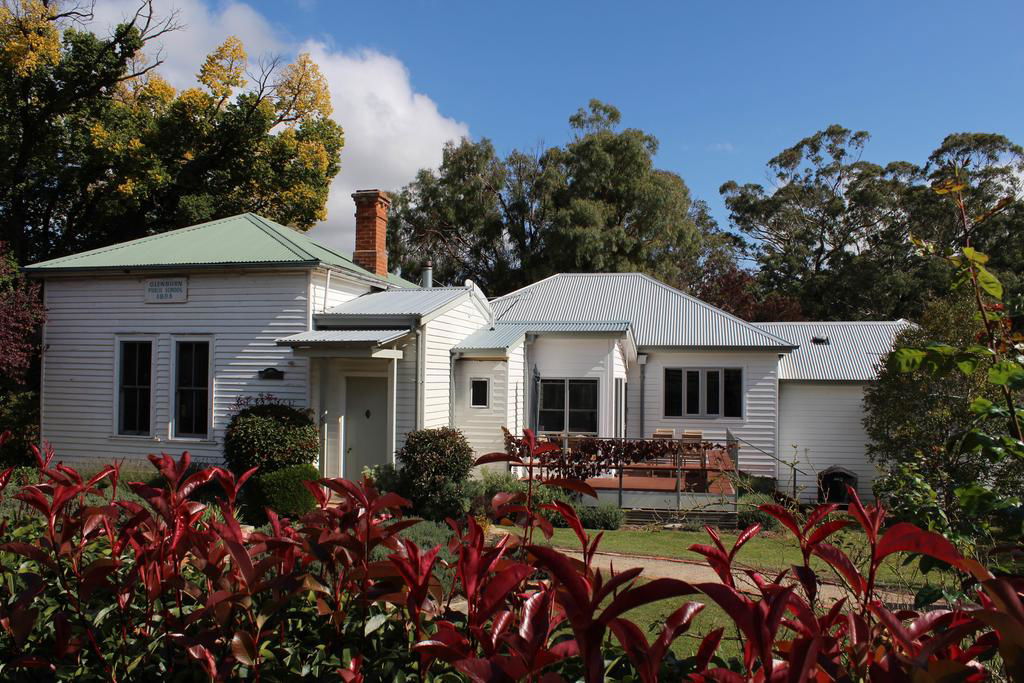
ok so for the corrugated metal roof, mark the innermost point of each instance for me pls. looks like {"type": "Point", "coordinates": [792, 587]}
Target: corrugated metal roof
{"type": "Point", "coordinates": [853, 351]}
{"type": "Point", "coordinates": [242, 240]}
{"type": "Point", "coordinates": [660, 315]}
{"type": "Point", "coordinates": [399, 302]}
{"type": "Point", "coordinates": [354, 337]}
{"type": "Point", "coordinates": [502, 335]}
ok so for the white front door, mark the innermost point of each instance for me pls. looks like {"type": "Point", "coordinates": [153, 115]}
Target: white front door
{"type": "Point", "coordinates": [366, 425]}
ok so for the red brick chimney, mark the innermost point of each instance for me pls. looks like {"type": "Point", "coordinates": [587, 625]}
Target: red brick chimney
{"type": "Point", "coordinates": [372, 230]}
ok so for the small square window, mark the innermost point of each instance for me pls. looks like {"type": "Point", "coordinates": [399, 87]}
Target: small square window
{"type": "Point", "coordinates": [479, 393]}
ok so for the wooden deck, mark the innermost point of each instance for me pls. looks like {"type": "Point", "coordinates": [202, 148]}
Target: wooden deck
{"type": "Point", "coordinates": [709, 477]}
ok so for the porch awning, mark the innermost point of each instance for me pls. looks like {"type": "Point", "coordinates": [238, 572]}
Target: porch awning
{"type": "Point", "coordinates": [362, 343]}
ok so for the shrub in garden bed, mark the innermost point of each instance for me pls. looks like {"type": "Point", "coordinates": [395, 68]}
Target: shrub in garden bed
{"type": "Point", "coordinates": [122, 590]}
{"type": "Point", "coordinates": [269, 434]}
{"type": "Point", "coordinates": [285, 491]}
{"type": "Point", "coordinates": [434, 467]}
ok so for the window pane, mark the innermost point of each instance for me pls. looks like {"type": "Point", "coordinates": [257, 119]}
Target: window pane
{"type": "Point", "coordinates": [714, 392]}
{"type": "Point", "coordinates": [734, 392]}
{"type": "Point", "coordinates": [134, 389]}
{"type": "Point", "coordinates": [583, 394]}
{"type": "Point", "coordinates": [479, 393]}
{"type": "Point", "coordinates": [583, 421]}
{"type": "Point", "coordinates": [192, 391]}
{"type": "Point", "coordinates": [673, 393]}
{"type": "Point", "coordinates": [552, 394]}
{"type": "Point", "coordinates": [551, 421]}
{"type": "Point", "coordinates": [692, 392]}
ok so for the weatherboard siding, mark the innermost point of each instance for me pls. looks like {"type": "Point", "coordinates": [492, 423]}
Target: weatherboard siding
{"type": "Point", "coordinates": [441, 334]}
{"type": "Point", "coordinates": [242, 315]}
{"type": "Point", "coordinates": [481, 426]}
{"type": "Point", "coordinates": [581, 358]}
{"type": "Point", "coordinates": [341, 289]}
{"type": "Point", "coordinates": [820, 426]}
{"type": "Point", "coordinates": [757, 426]}
{"type": "Point", "coordinates": [515, 419]}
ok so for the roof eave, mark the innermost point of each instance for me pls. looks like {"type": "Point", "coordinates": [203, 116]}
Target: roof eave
{"type": "Point", "coordinates": [649, 348]}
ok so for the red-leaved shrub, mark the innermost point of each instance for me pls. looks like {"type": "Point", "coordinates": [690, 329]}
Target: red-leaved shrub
{"type": "Point", "coordinates": [99, 587]}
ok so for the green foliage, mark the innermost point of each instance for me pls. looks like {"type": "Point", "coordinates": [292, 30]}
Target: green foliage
{"type": "Point", "coordinates": [434, 466]}
{"type": "Point", "coordinates": [604, 516]}
{"type": "Point", "coordinates": [103, 150]}
{"type": "Point", "coordinates": [967, 485]}
{"type": "Point", "coordinates": [284, 491]}
{"type": "Point", "coordinates": [270, 436]}
{"type": "Point", "coordinates": [19, 414]}
{"type": "Point", "coordinates": [830, 230]}
{"type": "Point", "coordinates": [918, 406]}
{"type": "Point", "coordinates": [747, 512]}
{"type": "Point", "coordinates": [595, 204]}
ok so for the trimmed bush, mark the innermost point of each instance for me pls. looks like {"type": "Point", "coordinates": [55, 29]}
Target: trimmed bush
{"type": "Point", "coordinates": [748, 514]}
{"type": "Point", "coordinates": [605, 516]}
{"type": "Point", "coordinates": [270, 436]}
{"type": "Point", "coordinates": [284, 491]}
{"type": "Point", "coordinates": [435, 464]}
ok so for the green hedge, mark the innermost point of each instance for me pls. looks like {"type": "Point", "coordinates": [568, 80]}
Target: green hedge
{"type": "Point", "coordinates": [270, 436]}
{"type": "Point", "coordinates": [435, 464]}
{"type": "Point", "coordinates": [284, 491]}
{"type": "Point", "coordinates": [747, 513]}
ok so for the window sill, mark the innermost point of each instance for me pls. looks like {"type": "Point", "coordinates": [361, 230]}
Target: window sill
{"type": "Point", "coordinates": [703, 418]}
{"type": "Point", "coordinates": [134, 437]}
{"type": "Point", "coordinates": [192, 440]}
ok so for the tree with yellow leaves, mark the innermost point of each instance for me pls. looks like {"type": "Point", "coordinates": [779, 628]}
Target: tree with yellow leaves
{"type": "Point", "coordinates": [98, 148]}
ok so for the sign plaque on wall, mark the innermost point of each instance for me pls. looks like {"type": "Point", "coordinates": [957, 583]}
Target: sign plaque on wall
{"type": "Point", "coordinates": [167, 290]}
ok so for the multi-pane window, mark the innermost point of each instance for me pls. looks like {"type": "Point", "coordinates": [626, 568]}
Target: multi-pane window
{"type": "Point", "coordinates": [134, 387]}
{"type": "Point", "coordinates": [192, 389]}
{"type": "Point", "coordinates": [703, 392]}
{"type": "Point", "coordinates": [568, 405]}
{"type": "Point", "coordinates": [479, 390]}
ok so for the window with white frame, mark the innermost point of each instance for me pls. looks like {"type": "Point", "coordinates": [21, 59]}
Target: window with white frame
{"type": "Point", "coordinates": [568, 406]}
{"type": "Point", "coordinates": [134, 386]}
{"type": "Point", "coordinates": [479, 392]}
{"type": "Point", "coordinates": [703, 392]}
{"type": "Point", "coordinates": [192, 389]}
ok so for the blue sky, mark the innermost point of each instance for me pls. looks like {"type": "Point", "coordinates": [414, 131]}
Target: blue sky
{"type": "Point", "coordinates": [723, 86]}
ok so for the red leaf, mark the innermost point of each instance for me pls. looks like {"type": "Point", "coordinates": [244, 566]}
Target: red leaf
{"type": "Point", "coordinates": [905, 537]}
{"type": "Point", "coordinates": [243, 647]}
{"type": "Point", "coordinates": [839, 561]}
{"type": "Point", "coordinates": [652, 591]}
{"type": "Point", "coordinates": [785, 518]}
{"type": "Point", "coordinates": [745, 536]}
{"type": "Point", "coordinates": [243, 563]}
{"type": "Point", "coordinates": [707, 649]}
{"type": "Point", "coordinates": [572, 485]}
{"type": "Point", "coordinates": [496, 457]}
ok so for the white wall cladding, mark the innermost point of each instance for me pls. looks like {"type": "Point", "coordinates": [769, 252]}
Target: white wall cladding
{"type": "Point", "coordinates": [341, 290]}
{"type": "Point", "coordinates": [405, 395]}
{"type": "Point", "coordinates": [441, 334]}
{"type": "Point", "coordinates": [516, 401]}
{"type": "Point", "coordinates": [243, 313]}
{"type": "Point", "coordinates": [758, 424]}
{"type": "Point", "coordinates": [823, 421]}
{"type": "Point", "coordinates": [482, 426]}
{"type": "Point", "coordinates": [577, 358]}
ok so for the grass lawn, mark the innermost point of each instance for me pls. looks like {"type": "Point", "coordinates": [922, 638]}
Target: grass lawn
{"type": "Point", "coordinates": [651, 617]}
{"type": "Point", "coordinates": [770, 552]}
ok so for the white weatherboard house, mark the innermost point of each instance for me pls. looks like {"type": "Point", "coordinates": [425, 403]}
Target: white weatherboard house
{"type": "Point", "coordinates": [148, 344]}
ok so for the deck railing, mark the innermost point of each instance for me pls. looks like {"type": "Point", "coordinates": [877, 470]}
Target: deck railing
{"type": "Point", "coordinates": [681, 466]}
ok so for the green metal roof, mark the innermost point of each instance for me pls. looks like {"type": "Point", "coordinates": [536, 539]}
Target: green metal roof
{"type": "Point", "coordinates": [244, 240]}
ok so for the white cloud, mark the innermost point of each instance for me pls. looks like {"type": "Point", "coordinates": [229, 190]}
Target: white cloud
{"type": "Point", "coordinates": [391, 131]}
{"type": "Point", "coordinates": [726, 147]}
{"type": "Point", "coordinates": [202, 29]}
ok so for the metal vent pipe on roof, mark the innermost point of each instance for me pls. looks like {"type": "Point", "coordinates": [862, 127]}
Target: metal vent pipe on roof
{"type": "Point", "coordinates": [427, 277]}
